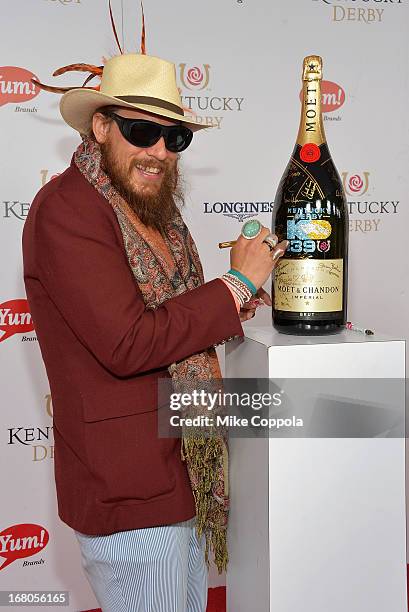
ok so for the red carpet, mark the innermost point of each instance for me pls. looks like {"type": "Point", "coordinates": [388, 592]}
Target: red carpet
{"type": "Point", "coordinates": [216, 601]}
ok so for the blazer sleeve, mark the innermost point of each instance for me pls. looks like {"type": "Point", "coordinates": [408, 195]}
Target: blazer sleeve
{"type": "Point", "coordinates": [82, 264]}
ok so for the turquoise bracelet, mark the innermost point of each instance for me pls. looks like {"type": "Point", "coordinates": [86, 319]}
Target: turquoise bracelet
{"type": "Point", "coordinates": [244, 280]}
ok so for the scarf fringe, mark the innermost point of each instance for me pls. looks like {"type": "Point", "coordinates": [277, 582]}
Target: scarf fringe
{"type": "Point", "coordinates": [202, 455]}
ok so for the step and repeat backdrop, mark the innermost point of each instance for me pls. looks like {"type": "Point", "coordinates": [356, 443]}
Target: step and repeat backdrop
{"type": "Point", "coordinates": [238, 66]}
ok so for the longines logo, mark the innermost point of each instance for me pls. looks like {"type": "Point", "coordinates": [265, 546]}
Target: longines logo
{"type": "Point", "coordinates": [39, 439]}
{"type": "Point", "coordinates": [363, 11]}
{"type": "Point", "coordinates": [237, 210]}
{"type": "Point", "coordinates": [369, 214]}
{"type": "Point", "coordinates": [196, 79]}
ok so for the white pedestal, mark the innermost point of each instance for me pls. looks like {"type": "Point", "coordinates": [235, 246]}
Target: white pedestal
{"type": "Point", "coordinates": [317, 524]}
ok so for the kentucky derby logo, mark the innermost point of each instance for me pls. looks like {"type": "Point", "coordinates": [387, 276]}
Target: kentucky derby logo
{"type": "Point", "coordinates": [39, 439]}
{"type": "Point", "coordinates": [49, 405]}
{"type": "Point", "coordinates": [361, 11]}
{"type": "Point", "coordinates": [16, 85]}
{"type": "Point", "coordinates": [45, 176]}
{"type": "Point", "coordinates": [324, 246]}
{"type": "Point", "coordinates": [356, 184]}
{"type": "Point", "coordinates": [194, 77]}
{"type": "Point", "coordinates": [202, 103]}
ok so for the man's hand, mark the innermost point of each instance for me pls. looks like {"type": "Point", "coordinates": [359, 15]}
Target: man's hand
{"type": "Point", "coordinates": [248, 310]}
{"type": "Point", "coordinates": [254, 258]}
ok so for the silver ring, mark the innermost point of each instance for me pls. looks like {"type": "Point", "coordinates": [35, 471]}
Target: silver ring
{"type": "Point", "coordinates": [271, 241]}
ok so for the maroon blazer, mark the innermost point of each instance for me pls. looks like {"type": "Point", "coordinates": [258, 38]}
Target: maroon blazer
{"type": "Point", "coordinates": [103, 352]}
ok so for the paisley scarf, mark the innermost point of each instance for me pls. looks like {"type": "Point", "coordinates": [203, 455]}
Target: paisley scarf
{"type": "Point", "coordinates": [206, 457]}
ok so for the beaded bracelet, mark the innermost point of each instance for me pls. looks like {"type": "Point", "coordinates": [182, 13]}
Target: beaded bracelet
{"type": "Point", "coordinates": [243, 294]}
{"type": "Point", "coordinates": [241, 290]}
{"type": "Point", "coordinates": [244, 280]}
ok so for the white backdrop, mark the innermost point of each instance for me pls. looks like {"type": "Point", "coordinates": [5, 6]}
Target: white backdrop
{"type": "Point", "coordinates": [239, 66]}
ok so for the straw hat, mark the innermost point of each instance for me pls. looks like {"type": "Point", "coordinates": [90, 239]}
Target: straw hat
{"type": "Point", "coordinates": [130, 80]}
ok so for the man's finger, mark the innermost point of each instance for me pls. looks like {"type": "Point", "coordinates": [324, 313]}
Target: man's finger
{"type": "Point", "coordinates": [262, 293]}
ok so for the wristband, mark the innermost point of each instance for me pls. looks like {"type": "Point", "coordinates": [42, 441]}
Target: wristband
{"type": "Point", "coordinates": [241, 290]}
{"type": "Point", "coordinates": [244, 280]}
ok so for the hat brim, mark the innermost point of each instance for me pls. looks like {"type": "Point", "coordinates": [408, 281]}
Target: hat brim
{"type": "Point", "coordinates": [77, 107]}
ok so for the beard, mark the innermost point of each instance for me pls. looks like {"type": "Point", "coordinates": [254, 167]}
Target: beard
{"type": "Point", "coordinates": [154, 210]}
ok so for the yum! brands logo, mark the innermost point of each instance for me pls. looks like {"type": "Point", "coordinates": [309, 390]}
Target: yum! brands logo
{"type": "Point", "coordinates": [333, 96]}
{"type": "Point", "coordinates": [20, 541]}
{"type": "Point", "coordinates": [15, 318]}
{"type": "Point", "coordinates": [332, 99]}
{"type": "Point", "coordinates": [362, 11]}
{"type": "Point", "coordinates": [16, 85]}
{"type": "Point", "coordinates": [198, 99]}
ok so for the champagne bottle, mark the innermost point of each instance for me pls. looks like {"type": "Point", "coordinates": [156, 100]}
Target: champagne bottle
{"type": "Point", "coordinates": [310, 280]}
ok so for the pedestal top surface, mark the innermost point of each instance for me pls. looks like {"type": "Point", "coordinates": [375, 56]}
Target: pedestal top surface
{"type": "Point", "coordinates": [269, 336]}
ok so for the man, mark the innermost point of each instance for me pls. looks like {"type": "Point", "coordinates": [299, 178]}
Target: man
{"type": "Point", "coordinates": [118, 300]}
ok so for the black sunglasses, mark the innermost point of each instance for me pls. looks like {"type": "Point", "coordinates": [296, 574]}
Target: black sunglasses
{"type": "Point", "coordinates": [141, 133]}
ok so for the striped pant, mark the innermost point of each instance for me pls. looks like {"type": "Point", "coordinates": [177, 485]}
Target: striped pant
{"type": "Point", "coordinates": [157, 569]}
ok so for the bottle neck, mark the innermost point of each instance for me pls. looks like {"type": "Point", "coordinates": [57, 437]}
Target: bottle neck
{"type": "Point", "coordinates": [311, 125]}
